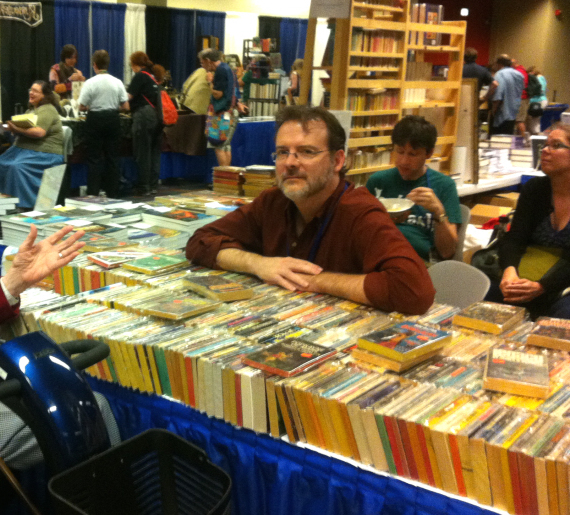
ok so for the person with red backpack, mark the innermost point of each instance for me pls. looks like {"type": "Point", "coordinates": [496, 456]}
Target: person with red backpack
{"type": "Point", "coordinates": [144, 98]}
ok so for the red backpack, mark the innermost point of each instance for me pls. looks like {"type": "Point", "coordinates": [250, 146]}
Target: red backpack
{"type": "Point", "coordinates": [165, 108]}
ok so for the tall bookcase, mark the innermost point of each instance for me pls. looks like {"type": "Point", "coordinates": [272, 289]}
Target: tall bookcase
{"type": "Point", "coordinates": [377, 75]}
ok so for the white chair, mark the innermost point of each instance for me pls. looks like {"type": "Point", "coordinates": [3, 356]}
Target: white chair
{"type": "Point", "coordinates": [465, 217]}
{"type": "Point", "coordinates": [457, 283]}
{"type": "Point", "coordinates": [67, 142]}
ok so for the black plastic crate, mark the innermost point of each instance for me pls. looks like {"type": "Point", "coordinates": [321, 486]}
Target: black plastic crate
{"type": "Point", "coordinates": [156, 472]}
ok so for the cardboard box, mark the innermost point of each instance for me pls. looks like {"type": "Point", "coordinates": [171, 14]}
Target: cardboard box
{"type": "Point", "coordinates": [482, 213]}
{"type": "Point", "coordinates": [509, 199]}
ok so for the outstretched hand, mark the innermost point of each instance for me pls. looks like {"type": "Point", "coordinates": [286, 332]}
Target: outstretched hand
{"type": "Point", "coordinates": [35, 261]}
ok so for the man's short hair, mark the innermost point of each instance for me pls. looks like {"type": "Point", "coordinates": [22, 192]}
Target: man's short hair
{"type": "Point", "coordinates": [305, 114]}
{"type": "Point", "coordinates": [211, 55]}
{"type": "Point", "coordinates": [504, 60]}
{"type": "Point", "coordinates": [101, 59]}
{"type": "Point", "coordinates": [470, 55]}
{"type": "Point", "coordinates": [416, 131]}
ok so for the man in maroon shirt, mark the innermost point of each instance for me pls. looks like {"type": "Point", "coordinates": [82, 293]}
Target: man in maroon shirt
{"type": "Point", "coordinates": [315, 231]}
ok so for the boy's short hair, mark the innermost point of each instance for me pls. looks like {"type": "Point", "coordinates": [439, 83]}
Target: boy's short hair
{"type": "Point", "coordinates": [101, 59]}
{"type": "Point", "coordinates": [416, 131]}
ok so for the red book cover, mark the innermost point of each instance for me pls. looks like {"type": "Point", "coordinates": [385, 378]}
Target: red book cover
{"type": "Point", "coordinates": [454, 448]}
{"type": "Point", "coordinates": [238, 401]}
{"type": "Point", "coordinates": [523, 482]}
{"type": "Point", "coordinates": [190, 381]}
{"type": "Point", "coordinates": [528, 483]}
{"type": "Point", "coordinates": [425, 454]}
{"type": "Point", "coordinates": [408, 451]}
{"type": "Point", "coordinates": [95, 280]}
{"type": "Point", "coordinates": [515, 481]}
{"type": "Point", "coordinates": [396, 446]}
{"type": "Point", "coordinates": [57, 282]}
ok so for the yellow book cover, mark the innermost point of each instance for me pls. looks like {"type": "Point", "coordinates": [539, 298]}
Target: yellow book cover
{"type": "Point", "coordinates": [143, 367]}
{"type": "Point", "coordinates": [296, 419]}
{"type": "Point", "coordinates": [286, 411]}
{"type": "Point", "coordinates": [129, 353]}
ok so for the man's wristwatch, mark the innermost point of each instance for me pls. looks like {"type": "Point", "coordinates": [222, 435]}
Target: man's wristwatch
{"type": "Point", "coordinates": [441, 218]}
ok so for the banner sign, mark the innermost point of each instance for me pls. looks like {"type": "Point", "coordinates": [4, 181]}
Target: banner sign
{"type": "Point", "coordinates": [29, 13]}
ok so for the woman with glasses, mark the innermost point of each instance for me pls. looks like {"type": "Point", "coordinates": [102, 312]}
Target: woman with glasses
{"type": "Point", "coordinates": [535, 253]}
{"type": "Point", "coordinates": [35, 148]}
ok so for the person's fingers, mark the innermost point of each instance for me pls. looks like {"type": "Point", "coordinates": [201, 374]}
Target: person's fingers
{"type": "Point", "coordinates": [62, 261]}
{"type": "Point", "coordinates": [55, 237]}
{"type": "Point", "coordinates": [71, 240]}
{"type": "Point", "coordinates": [306, 267]}
{"type": "Point", "coordinates": [28, 243]}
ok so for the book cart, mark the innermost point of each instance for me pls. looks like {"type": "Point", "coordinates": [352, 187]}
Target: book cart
{"type": "Point", "coordinates": [378, 75]}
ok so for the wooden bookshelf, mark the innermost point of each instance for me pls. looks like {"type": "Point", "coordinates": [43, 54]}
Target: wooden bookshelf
{"type": "Point", "coordinates": [373, 49]}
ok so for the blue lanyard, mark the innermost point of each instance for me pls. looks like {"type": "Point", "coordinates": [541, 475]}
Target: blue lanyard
{"type": "Point", "coordinates": [321, 231]}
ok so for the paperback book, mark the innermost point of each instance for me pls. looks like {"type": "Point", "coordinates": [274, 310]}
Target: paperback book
{"type": "Point", "coordinates": [217, 287]}
{"type": "Point", "coordinates": [156, 264]}
{"type": "Point", "coordinates": [288, 357]}
{"type": "Point", "coordinates": [490, 317]}
{"type": "Point", "coordinates": [404, 341]}
{"type": "Point", "coordinates": [553, 333]}
{"type": "Point", "coordinates": [115, 259]}
{"type": "Point", "coordinates": [517, 371]}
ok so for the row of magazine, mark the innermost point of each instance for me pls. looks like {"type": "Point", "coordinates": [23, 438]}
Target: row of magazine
{"type": "Point", "coordinates": [298, 364]}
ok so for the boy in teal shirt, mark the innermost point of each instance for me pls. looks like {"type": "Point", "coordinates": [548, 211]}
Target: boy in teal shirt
{"type": "Point", "coordinates": [432, 223]}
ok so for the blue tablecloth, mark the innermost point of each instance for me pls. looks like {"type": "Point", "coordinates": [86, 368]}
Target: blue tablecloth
{"type": "Point", "coordinates": [253, 143]}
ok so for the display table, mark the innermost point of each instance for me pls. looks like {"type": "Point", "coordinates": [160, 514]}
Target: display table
{"type": "Point", "coordinates": [495, 183]}
{"type": "Point", "coordinates": [184, 151]}
{"type": "Point", "coordinates": [271, 476]}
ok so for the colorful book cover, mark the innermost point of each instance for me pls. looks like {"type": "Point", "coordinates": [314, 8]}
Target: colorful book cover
{"type": "Point", "coordinates": [156, 264]}
{"type": "Point", "coordinates": [553, 333]}
{"type": "Point", "coordinates": [490, 317]}
{"type": "Point", "coordinates": [517, 371]}
{"type": "Point", "coordinates": [288, 357]}
{"type": "Point", "coordinates": [404, 341]}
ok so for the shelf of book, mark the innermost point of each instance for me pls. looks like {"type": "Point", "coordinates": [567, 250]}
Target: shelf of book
{"type": "Point", "coordinates": [375, 113]}
{"type": "Point", "coordinates": [369, 169]}
{"type": "Point", "coordinates": [387, 51]}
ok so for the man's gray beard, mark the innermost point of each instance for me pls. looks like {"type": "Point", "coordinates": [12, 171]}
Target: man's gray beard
{"type": "Point", "coordinates": [309, 189]}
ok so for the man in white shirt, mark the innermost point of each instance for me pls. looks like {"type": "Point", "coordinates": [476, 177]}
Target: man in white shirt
{"type": "Point", "coordinates": [102, 96]}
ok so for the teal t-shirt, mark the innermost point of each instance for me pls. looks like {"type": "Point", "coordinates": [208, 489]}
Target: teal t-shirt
{"type": "Point", "coordinates": [419, 226]}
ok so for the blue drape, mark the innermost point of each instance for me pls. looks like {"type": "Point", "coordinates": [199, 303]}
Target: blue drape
{"type": "Point", "coordinates": [109, 33]}
{"type": "Point", "coordinates": [211, 23]}
{"type": "Point", "coordinates": [293, 34]}
{"type": "Point", "coordinates": [271, 477]}
{"type": "Point", "coordinates": [182, 45]}
{"type": "Point", "coordinates": [72, 27]}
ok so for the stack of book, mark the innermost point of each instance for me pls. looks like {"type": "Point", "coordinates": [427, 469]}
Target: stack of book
{"type": "Point", "coordinates": [258, 178]}
{"type": "Point", "coordinates": [521, 157]}
{"type": "Point", "coordinates": [7, 203]}
{"type": "Point", "coordinates": [15, 228]}
{"type": "Point", "coordinates": [490, 317]}
{"type": "Point", "coordinates": [179, 219]}
{"type": "Point", "coordinates": [401, 346]}
{"type": "Point", "coordinates": [228, 179]}
{"type": "Point", "coordinates": [93, 200]}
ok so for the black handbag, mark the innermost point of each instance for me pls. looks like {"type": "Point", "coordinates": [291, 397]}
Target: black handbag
{"type": "Point", "coordinates": [487, 259]}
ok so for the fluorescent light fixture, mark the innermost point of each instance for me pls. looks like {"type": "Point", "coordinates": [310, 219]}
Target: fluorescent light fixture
{"type": "Point", "coordinates": [464, 11]}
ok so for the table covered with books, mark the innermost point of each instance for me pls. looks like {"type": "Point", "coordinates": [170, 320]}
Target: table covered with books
{"type": "Point", "coordinates": [312, 402]}
{"type": "Point", "coordinates": [184, 152]}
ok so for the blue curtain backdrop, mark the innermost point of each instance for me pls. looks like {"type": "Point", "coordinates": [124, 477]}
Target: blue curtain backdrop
{"type": "Point", "coordinates": [210, 23]}
{"type": "Point", "coordinates": [182, 45]}
{"type": "Point", "coordinates": [292, 37]}
{"type": "Point", "coordinates": [108, 27]}
{"type": "Point", "coordinates": [72, 27]}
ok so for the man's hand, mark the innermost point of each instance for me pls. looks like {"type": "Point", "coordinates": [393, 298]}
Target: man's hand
{"type": "Point", "coordinates": [35, 261]}
{"type": "Point", "coordinates": [426, 198]}
{"type": "Point", "coordinates": [288, 272]}
{"type": "Point", "coordinates": [516, 290]}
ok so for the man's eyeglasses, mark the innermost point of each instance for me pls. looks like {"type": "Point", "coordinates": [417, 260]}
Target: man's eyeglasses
{"type": "Point", "coordinates": [303, 155]}
{"type": "Point", "coordinates": [555, 145]}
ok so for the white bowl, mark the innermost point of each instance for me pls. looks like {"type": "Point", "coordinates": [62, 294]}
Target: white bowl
{"type": "Point", "coordinates": [397, 206]}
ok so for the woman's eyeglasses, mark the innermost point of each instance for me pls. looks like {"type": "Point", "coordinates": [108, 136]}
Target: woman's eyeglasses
{"type": "Point", "coordinates": [555, 145]}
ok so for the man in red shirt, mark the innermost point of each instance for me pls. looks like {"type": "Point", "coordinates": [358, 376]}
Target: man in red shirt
{"type": "Point", "coordinates": [523, 109]}
{"type": "Point", "coordinates": [315, 231]}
